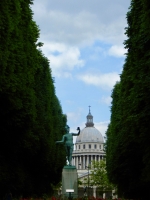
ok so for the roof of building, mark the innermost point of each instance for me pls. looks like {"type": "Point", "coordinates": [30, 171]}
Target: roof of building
{"type": "Point", "coordinates": [90, 134]}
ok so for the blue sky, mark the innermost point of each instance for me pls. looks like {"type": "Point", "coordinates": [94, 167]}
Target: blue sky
{"type": "Point", "coordinates": [83, 39]}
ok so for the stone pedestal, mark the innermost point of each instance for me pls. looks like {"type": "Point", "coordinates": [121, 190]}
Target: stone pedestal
{"type": "Point", "coordinates": [69, 181]}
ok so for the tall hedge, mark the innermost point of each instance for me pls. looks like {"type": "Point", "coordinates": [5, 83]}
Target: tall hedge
{"type": "Point", "coordinates": [132, 174]}
{"type": "Point", "coordinates": [113, 137]}
{"type": "Point", "coordinates": [31, 114]}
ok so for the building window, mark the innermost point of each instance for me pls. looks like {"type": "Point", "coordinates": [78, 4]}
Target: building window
{"type": "Point", "coordinates": [84, 146]}
{"type": "Point", "coordinates": [100, 146]}
{"type": "Point", "coordinates": [89, 146]}
{"type": "Point", "coordinates": [95, 146]}
{"type": "Point", "coordinates": [79, 146]}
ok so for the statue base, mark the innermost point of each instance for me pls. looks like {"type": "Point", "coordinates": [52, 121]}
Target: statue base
{"type": "Point", "coordinates": [69, 181]}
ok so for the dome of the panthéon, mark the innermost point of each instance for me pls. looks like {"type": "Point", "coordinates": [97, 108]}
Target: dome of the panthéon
{"type": "Point", "coordinates": [89, 133]}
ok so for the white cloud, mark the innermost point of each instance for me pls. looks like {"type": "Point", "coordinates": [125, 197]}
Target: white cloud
{"type": "Point", "coordinates": [63, 59]}
{"type": "Point", "coordinates": [81, 23]}
{"type": "Point", "coordinates": [106, 100]}
{"type": "Point", "coordinates": [52, 47]}
{"type": "Point", "coordinates": [117, 51]}
{"type": "Point", "coordinates": [67, 26]}
{"type": "Point", "coordinates": [104, 81]}
{"type": "Point", "coordinates": [102, 126]}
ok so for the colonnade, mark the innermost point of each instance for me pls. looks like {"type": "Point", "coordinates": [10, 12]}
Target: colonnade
{"type": "Point", "coordinates": [83, 161]}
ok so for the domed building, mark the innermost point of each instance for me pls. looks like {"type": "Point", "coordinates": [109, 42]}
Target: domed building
{"type": "Point", "coordinates": [89, 146]}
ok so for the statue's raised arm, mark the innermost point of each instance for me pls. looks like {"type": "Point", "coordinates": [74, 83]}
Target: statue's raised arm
{"type": "Point", "coordinates": [76, 134]}
{"type": "Point", "coordinates": [67, 139]}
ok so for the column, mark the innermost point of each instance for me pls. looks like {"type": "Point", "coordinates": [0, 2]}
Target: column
{"type": "Point", "coordinates": [87, 161]}
{"type": "Point", "coordinates": [75, 161]}
{"type": "Point", "coordinates": [99, 158]}
{"type": "Point", "coordinates": [80, 166]}
{"type": "Point", "coordinates": [94, 191]}
{"type": "Point", "coordinates": [104, 195]}
{"type": "Point", "coordinates": [91, 159]}
{"type": "Point", "coordinates": [77, 166]}
{"type": "Point", "coordinates": [83, 162]}
{"type": "Point", "coordinates": [72, 160]}
{"type": "Point", "coordinates": [95, 158]}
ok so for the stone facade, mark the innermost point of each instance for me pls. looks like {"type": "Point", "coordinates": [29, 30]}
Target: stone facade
{"type": "Point", "coordinates": [89, 146]}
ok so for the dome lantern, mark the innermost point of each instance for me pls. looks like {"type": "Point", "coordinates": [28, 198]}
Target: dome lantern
{"type": "Point", "coordinates": [89, 133]}
{"type": "Point", "coordinates": [89, 117]}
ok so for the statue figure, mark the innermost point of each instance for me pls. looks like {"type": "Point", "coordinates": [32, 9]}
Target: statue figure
{"type": "Point", "coordinates": [68, 142]}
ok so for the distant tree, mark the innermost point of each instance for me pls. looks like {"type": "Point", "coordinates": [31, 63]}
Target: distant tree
{"type": "Point", "coordinates": [98, 176]}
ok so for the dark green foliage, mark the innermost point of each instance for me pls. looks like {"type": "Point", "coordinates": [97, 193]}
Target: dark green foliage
{"type": "Point", "coordinates": [30, 113]}
{"type": "Point", "coordinates": [128, 145]}
{"type": "Point", "coordinates": [113, 145]}
{"type": "Point", "coordinates": [46, 159]}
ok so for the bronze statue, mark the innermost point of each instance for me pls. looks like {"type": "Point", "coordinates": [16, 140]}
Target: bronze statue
{"type": "Point", "coordinates": [68, 142]}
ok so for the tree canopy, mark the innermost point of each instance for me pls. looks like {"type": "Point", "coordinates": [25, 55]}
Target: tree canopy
{"type": "Point", "coordinates": [98, 176]}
